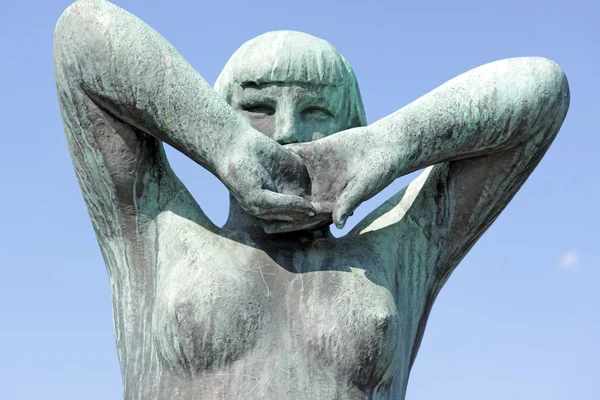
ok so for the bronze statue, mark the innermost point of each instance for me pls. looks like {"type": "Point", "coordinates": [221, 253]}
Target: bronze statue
{"type": "Point", "coordinates": [271, 305]}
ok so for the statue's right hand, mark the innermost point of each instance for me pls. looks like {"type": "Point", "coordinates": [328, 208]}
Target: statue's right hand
{"type": "Point", "coordinates": [268, 181]}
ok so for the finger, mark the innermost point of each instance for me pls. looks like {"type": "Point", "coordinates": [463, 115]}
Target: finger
{"type": "Point", "coordinates": [287, 216]}
{"type": "Point", "coordinates": [269, 203]}
{"type": "Point", "coordinates": [284, 227]}
{"type": "Point", "coordinates": [278, 217]}
{"type": "Point", "coordinates": [345, 206]}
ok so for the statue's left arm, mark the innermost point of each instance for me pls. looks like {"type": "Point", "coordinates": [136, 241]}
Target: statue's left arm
{"type": "Point", "coordinates": [480, 135]}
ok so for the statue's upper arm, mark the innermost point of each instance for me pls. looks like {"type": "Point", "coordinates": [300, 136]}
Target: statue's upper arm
{"type": "Point", "coordinates": [444, 211]}
{"type": "Point", "coordinates": [410, 221]}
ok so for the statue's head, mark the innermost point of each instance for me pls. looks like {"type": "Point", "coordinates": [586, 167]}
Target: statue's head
{"type": "Point", "coordinates": [292, 87]}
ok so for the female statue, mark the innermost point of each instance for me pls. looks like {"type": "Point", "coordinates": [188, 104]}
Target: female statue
{"type": "Point", "coordinates": [271, 305]}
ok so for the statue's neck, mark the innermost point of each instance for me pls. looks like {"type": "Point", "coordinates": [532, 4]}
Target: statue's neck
{"type": "Point", "coordinates": [242, 222]}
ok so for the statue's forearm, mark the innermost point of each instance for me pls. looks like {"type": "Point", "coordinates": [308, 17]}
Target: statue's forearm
{"type": "Point", "coordinates": [130, 70]}
{"type": "Point", "coordinates": [486, 110]}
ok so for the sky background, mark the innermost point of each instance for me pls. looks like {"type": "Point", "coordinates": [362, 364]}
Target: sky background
{"type": "Point", "coordinates": [517, 320]}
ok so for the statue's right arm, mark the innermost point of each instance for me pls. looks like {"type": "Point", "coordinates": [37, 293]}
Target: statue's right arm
{"type": "Point", "coordinates": [122, 91]}
{"type": "Point", "coordinates": [123, 88]}
{"type": "Point", "coordinates": [131, 71]}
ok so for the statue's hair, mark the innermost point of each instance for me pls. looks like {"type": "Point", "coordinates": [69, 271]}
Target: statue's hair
{"type": "Point", "coordinates": [292, 57]}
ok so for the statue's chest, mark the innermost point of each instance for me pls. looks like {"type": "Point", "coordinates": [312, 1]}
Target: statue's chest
{"type": "Point", "coordinates": [222, 302]}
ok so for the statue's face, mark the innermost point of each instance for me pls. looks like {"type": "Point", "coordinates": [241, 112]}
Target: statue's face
{"type": "Point", "coordinates": [291, 112]}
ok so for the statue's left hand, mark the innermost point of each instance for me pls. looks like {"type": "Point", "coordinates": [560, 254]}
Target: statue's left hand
{"type": "Point", "coordinates": [346, 169]}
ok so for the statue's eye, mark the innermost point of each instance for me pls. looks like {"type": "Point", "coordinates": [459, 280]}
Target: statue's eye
{"type": "Point", "coordinates": [258, 109]}
{"type": "Point", "coordinates": [317, 112]}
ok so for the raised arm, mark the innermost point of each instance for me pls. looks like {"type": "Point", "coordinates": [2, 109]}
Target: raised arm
{"type": "Point", "coordinates": [485, 131]}
{"type": "Point", "coordinates": [129, 71]}
{"type": "Point", "coordinates": [487, 110]}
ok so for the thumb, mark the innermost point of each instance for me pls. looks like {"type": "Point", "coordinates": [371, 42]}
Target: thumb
{"type": "Point", "coordinates": [345, 206]}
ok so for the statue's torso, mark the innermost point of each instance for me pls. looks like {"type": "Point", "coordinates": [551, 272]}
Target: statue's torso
{"type": "Point", "coordinates": [280, 319]}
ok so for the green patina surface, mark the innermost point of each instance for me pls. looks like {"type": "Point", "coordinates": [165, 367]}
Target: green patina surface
{"type": "Point", "coordinates": [271, 305]}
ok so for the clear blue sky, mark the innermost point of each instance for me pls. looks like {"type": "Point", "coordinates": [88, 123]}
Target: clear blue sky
{"type": "Point", "coordinates": [518, 319]}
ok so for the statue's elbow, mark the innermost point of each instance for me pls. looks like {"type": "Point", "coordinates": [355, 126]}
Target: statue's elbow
{"type": "Point", "coordinates": [81, 46]}
{"type": "Point", "coordinates": [542, 90]}
{"type": "Point", "coordinates": [552, 87]}
{"type": "Point", "coordinates": [72, 18]}
{"type": "Point", "coordinates": [82, 20]}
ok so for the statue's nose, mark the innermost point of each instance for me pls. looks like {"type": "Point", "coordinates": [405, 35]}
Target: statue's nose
{"type": "Point", "coordinates": [287, 130]}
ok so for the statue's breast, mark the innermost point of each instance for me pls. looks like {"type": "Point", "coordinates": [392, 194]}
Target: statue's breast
{"type": "Point", "coordinates": [221, 303]}
{"type": "Point", "coordinates": [207, 313]}
{"type": "Point", "coordinates": [351, 321]}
